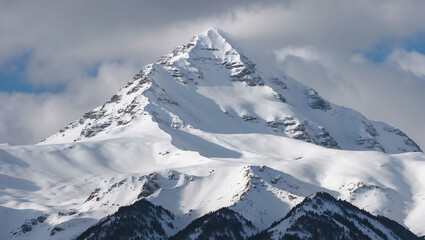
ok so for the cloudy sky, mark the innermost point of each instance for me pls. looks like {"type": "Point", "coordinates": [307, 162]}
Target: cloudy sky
{"type": "Point", "coordinates": [59, 59]}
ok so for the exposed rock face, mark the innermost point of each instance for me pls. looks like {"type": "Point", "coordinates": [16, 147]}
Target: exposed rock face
{"type": "Point", "coordinates": [130, 188]}
{"type": "Point", "coordinates": [150, 186]}
{"type": "Point", "coordinates": [369, 139]}
{"type": "Point", "coordinates": [305, 131]}
{"type": "Point", "coordinates": [315, 101]}
{"type": "Point", "coordinates": [30, 224]}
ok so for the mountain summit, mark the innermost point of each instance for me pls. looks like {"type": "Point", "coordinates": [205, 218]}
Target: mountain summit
{"type": "Point", "coordinates": [209, 85]}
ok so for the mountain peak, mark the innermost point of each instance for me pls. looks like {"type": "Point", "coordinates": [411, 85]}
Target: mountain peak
{"type": "Point", "coordinates": [207, 49]}
{"type": "Point", "coordinates": [214, 38]}
{"type": "Point", "coordinates": [211, 34]}
{"type": "Point", "coordinates": [211, 31]}
{"type": "Point", "coordinates": [211, 44]}
{"type": "Point", "coordinates": [211, 86]}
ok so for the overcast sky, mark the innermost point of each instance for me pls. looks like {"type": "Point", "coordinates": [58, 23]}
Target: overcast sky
{"type": "Point", "coordinates": [59, 59]}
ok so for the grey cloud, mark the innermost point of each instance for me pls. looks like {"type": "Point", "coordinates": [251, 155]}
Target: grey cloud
{"type": "Point", "coordinates": [413, 62]}
{"type": "Point", "coordinates": [27, 118]}
{"type": "Point", "coordinates": [69, 35]}
{"type": "Point", "coordinates": [379, 91]}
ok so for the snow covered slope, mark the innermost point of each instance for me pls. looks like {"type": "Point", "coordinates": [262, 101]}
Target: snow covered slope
{"type": "Point", "coordinates": [72, 186]}
{"type": "Point", "coordinates": [210, 85]}
{"type": "Point", "coordinates": [203, 129]}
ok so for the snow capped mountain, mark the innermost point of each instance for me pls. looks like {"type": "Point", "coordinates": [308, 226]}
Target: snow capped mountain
{"type": "Point", "coordinates": [210, 85]}
{"type": "Point", "coordinates": [207, 134]}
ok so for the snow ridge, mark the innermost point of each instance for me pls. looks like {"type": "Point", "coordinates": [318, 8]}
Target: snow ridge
{"type": "Point", "coordinates": [322, 216]}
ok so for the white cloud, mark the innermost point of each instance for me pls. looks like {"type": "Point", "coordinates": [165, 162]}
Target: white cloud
{"type": "Point", "coordinates": [27, 118]}
{"type": "Point", "coordinates": [358, 58]}
{"type": "Point", "coordinates": [413, 62]}
{"type": "Point", "coordinates": [305, 53]}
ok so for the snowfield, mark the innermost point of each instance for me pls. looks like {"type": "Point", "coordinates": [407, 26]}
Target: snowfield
{"type": "Point", "coordinates": [202, 129]}
{"type": "Point", "coordinates": [49, 179]}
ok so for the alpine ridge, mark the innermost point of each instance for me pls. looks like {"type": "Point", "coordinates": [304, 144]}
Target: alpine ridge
{"type": "Point", "coordinates": [208, 136]}
{"type": "Point", "coordinates": [323, 217]}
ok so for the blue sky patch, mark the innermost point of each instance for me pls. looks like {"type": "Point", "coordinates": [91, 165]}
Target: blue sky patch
{"type": "Point", "coordinates": [382, 49]}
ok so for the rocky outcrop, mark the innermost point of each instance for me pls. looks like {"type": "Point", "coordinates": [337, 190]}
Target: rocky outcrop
{"type": "Point", "coordinates": [315, 101]}
{"type": "Point", "coordinates": [305, 131]}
